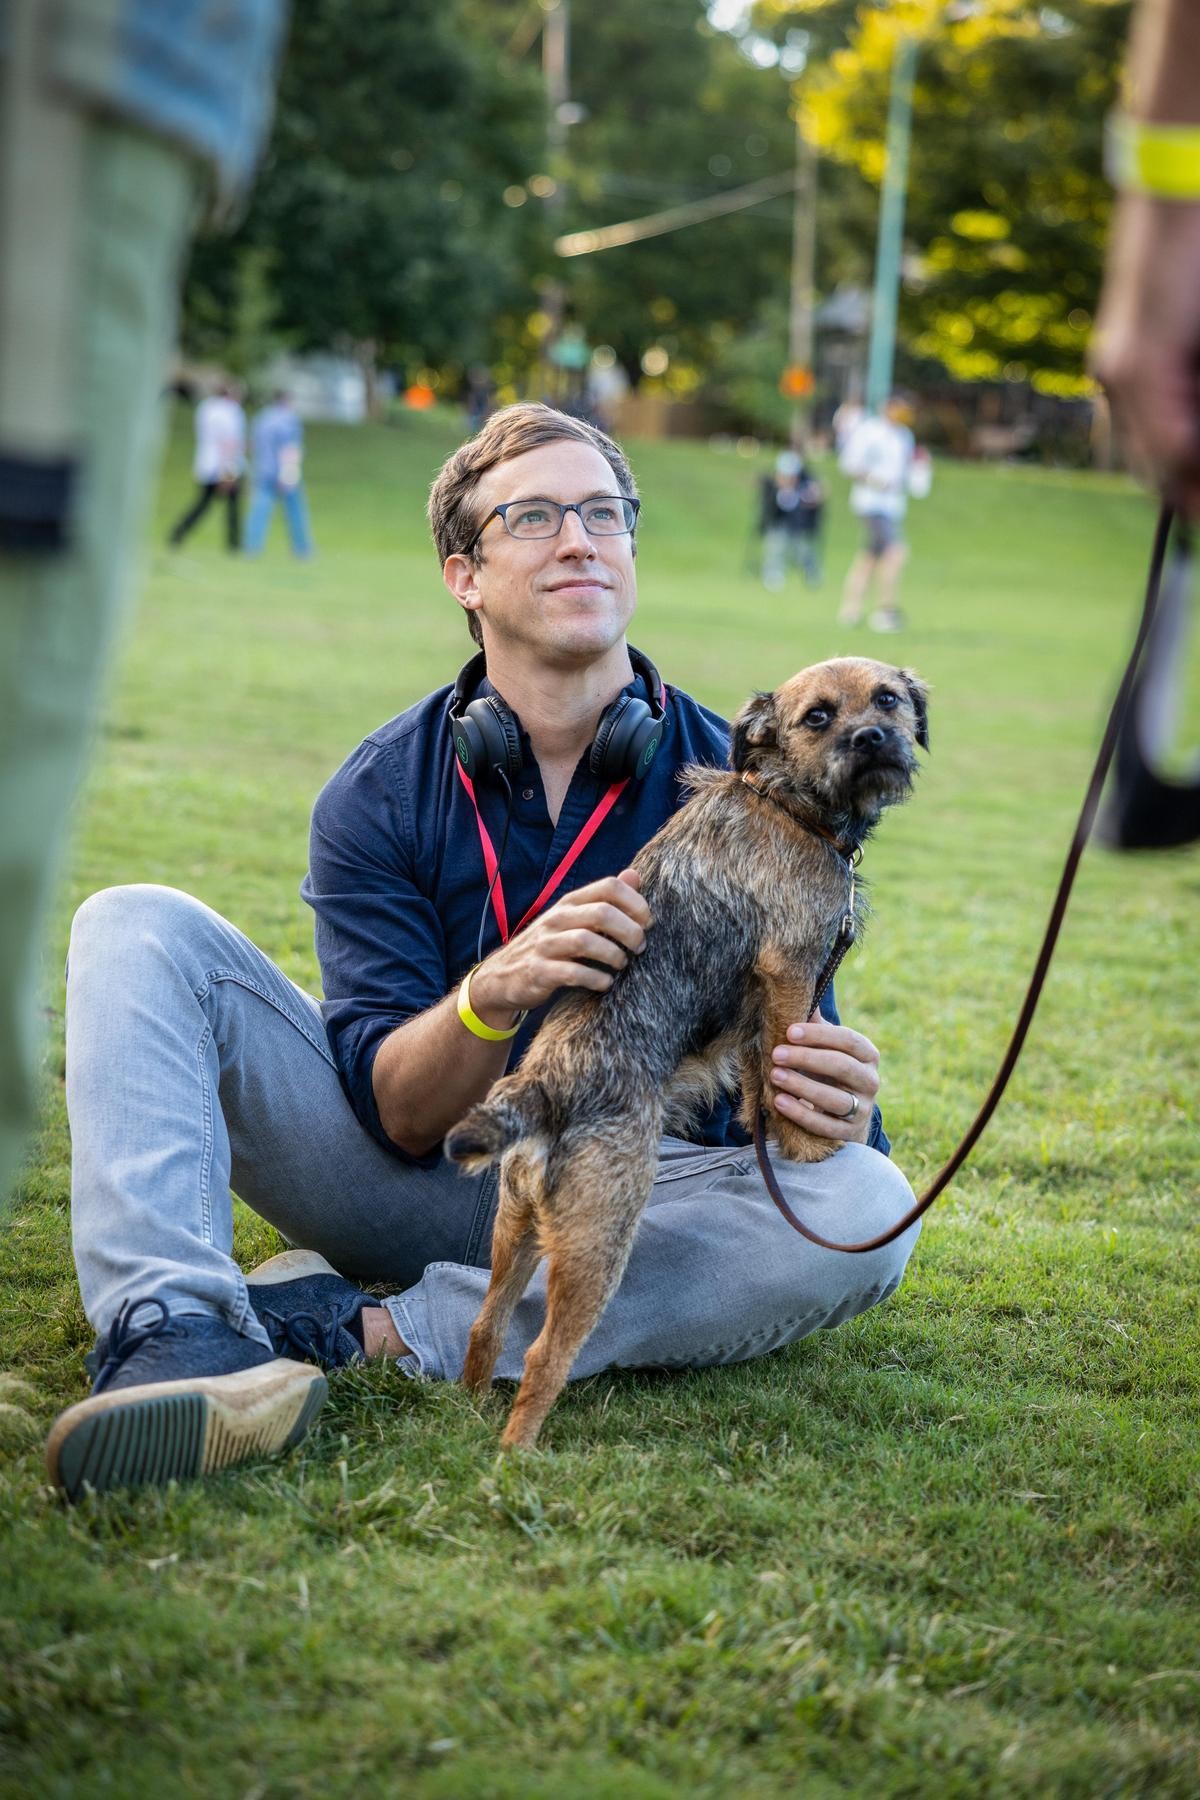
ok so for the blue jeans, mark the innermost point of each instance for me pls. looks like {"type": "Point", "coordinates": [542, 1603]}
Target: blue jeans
{"type": "Point", "coordinates": [195, 1066]}
{"type": "Point", "coordinates": [295, 511]}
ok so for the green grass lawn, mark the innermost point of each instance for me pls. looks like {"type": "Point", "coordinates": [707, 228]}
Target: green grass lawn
{"type": "Point", "coordinates": [950, 1548]}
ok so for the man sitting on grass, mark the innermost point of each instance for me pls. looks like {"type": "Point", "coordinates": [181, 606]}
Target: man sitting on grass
{"type": "Point", "coordinates": [195, 1067]}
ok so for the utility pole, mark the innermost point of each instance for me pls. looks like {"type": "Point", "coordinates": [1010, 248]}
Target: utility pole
{"type": "Point", "coordinates": [800, 317]}
{"type": "Point", "coordinates": [556, 51]}
{"type": "Point", "coordinates": [881, 355]}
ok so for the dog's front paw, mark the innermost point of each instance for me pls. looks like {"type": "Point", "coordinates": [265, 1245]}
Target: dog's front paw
{"type": "Point", "coordinates": [797, 1145]}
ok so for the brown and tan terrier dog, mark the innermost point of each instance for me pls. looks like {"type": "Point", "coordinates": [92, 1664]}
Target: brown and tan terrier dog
{"type": "Point", "coordinates": [747, 883]}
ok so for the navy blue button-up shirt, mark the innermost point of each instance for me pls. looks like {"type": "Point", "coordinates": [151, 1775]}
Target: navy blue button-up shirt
{"type": "Point", "coordinates": [397, 882]}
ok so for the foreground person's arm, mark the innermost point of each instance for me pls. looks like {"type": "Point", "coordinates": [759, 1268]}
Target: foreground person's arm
{"type": "Point", "coordinates": [432, 1068]}
{"type": "Point", "coordinates": [1146, 347]}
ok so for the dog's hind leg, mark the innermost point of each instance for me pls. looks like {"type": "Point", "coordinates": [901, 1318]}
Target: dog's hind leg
{"type": "Point", "coordinates": [600, 1193]}
{"type": "Point", "coordinates": [515, 1254]}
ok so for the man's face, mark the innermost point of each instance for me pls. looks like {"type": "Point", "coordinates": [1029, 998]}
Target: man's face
{"type": "Point", "coordinates": [568, 598]}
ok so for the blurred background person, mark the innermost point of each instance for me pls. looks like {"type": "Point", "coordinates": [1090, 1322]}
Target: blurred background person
{"type": "Point", "coordinates": [218, 466]}
{"type": "Point", "coordinates": [791, 506]}
{"type": "Point", "coordinates": [277, 476]}
{"type": "Point", "coordinates": [481, 397]}
{"type": "Point", "coordinates": [881, 457]}
{"type": "Point", "coordinates": [108, 151]}
{"type": "Point", "coordinates": [846, 420]}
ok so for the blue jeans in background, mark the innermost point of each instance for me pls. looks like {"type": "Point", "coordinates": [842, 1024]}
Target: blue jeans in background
{"type": "Point", "coordinates": [295, 511]}
{"type": "Point", "coordinates": [195, 1067]}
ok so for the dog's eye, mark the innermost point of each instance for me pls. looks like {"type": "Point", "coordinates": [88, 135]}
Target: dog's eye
{"type": "Point", "coordinates": [816, 718]}
{"type": "Point", "coordinates": [887, 699]}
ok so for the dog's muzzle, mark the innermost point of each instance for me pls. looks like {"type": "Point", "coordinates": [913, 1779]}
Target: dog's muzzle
{"type": "Point", "coordinates": [876, 750]}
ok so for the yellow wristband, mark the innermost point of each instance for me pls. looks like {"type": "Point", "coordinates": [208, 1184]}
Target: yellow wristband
{"type": "Point", "coordinates": [475, 1024]}
{"type": "Point", "coordinates": [1162, 161]}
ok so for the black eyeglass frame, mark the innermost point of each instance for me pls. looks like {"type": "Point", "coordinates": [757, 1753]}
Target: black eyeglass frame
{"type": "Point", "coordinates": [563, 507]}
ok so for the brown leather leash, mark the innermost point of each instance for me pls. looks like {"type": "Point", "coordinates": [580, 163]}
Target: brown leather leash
{"type": "Point", "coordinates": [1083, 829]}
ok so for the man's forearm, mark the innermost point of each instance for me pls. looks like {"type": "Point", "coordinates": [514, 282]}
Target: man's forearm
{"type": "Point", "coordinates": [429, 1071]}
{"type": "Point", "coordinates": [427, 1074]}
{"type": "Point", "coordinates": [1164, 63]}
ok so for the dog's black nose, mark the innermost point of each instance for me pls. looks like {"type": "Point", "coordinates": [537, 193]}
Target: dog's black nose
{"type": "Point", "coordinates": [868, 737]}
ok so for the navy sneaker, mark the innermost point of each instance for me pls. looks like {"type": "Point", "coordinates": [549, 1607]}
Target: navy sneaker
{"type": "Point", "coordinates": [175, 1397]}
{"type": "Point", "coordinates": [306, 1308]}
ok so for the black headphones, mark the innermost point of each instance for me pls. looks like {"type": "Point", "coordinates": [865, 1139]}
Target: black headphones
{"type": "Point", "coordinates": [487, 736]}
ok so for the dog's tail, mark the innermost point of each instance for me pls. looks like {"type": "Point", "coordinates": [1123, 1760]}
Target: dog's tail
{"type": "Point", "coordinates": [514, 1110]}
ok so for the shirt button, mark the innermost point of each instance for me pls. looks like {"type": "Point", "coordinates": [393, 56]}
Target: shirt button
{"type": "Point", "coordinates": [527, 793]}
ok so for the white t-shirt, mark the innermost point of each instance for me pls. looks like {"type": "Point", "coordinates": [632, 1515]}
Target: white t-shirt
{"type": "Point", "coordinates": [220, 440]}
{"type": "Point", "coordinates": [877, 455]}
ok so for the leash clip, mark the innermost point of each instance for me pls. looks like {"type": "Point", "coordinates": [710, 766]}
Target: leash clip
{"type": "Point", "coordinates": [849, 925]}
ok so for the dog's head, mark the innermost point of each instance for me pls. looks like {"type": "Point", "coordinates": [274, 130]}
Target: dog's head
{"type": "Point", "coordinates": [840, 738]}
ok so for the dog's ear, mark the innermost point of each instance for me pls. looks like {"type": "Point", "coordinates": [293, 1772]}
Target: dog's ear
{"type": "Point", "coordinates": [756, 727]}
{"type": "Point", "coordinates": [918, 693]}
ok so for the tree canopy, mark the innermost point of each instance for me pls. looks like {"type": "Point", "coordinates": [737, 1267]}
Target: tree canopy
{"type": "Point", "coordinates": [412, 190]}
{"type": "Point", "coordinates": [1007, 206]}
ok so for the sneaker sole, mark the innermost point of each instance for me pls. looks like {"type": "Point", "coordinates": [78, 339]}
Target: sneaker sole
{"type": "Point", "coordinates": [176, 1430]}
{"type": "Point", "coordinates": [290, 1265]}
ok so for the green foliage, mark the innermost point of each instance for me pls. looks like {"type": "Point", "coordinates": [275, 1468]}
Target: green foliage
{"type": "Point", "coordinates": [379, 207]}
{"type": "Point", "coordinates": [239, 334]}
{"type": "Point", "coordinates": [950, 1547]}
{"type": "Point", "coordinates": [675, 113]}
{"type": "Point", "coordinates": [403, 209]}
{"type": "Point", "coordinates": [744, 378]}
{"type": "Point", "coordinates": [1007, 206]}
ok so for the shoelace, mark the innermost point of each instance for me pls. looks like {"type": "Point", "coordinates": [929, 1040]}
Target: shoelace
{"type": "Point", "coordinates": [312, 1334]}
{"type": "Point", "coordinates": [124, 1337]}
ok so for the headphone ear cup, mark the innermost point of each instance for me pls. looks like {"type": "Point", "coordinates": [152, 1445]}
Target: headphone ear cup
{"type": "Point", "coordinates": [643, 748]}
{"type": "Point", "coordinates": [607, 760]}
{"type": "Point", "coordinates": [468, 745]}
{"type": "Point", "coordinates": [494, 737]}
{"type": "Point", "coordinates": [620, 745]}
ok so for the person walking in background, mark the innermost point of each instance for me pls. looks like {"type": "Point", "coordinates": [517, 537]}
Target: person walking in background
{"type": "Point", "coordinates": [882, 458]}
{"type": "Point", "coordinates": [846, 420]}
{"type": "Point", "coordinates": [218, 466]}
{"type": "Point", "coordinates": [481, 397]}
{"type": "Point", "coordinates": [791, 502]}
{"type": "Point", "coordinates": [277, 474]}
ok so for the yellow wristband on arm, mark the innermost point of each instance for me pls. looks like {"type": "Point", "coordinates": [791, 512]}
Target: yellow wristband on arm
{"type": "Point", "coordinates": [475, 1024]}
{"type": "Point", "coordinates": [1161, 161]}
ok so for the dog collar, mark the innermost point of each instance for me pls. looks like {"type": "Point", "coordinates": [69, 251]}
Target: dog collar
{"type": "Point", "coordinates": [850, 853]}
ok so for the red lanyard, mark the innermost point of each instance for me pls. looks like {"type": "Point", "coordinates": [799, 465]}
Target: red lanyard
{"type": "Point", "coordinates": [599, 813]}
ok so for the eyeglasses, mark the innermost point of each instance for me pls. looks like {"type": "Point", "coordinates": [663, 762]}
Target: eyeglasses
{"type": "Point", "coordinates": [605, 515]}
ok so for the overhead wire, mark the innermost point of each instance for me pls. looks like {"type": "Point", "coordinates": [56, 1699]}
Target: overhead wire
{"type": "Point", "coordinates": [675, 218]}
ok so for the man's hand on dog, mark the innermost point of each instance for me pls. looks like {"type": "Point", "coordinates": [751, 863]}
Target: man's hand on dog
{"type": "Point", "coordinates": [819, 1072]}
{"type": "Point", "coordinates": [581, 941]}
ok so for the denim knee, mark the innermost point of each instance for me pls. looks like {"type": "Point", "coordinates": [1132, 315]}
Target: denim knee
{"type": "Point", "coordinates": [118, 919]}
{"type": "Point", "coordinates": [882, 1198]}
{"type": "Point", "coordinates": [875, 1196]}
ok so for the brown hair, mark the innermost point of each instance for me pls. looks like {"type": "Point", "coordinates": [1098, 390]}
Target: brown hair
{"type": "Point", "coordinates": [508, 433]}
